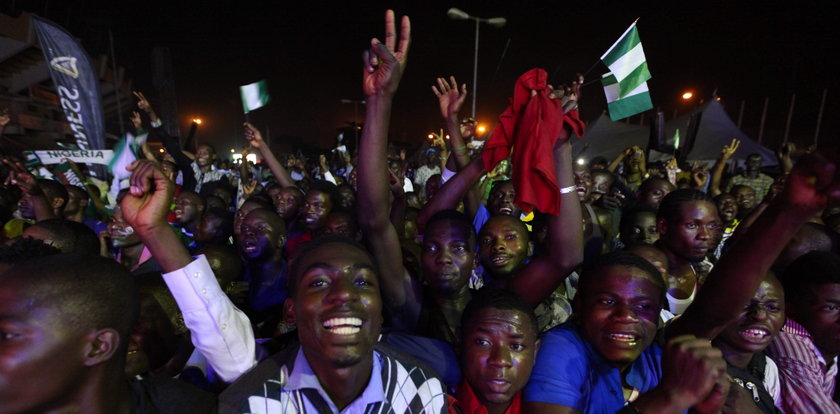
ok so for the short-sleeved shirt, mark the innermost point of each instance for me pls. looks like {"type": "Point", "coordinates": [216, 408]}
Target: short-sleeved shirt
{"type": "Point", "coordinates": [571, 373]}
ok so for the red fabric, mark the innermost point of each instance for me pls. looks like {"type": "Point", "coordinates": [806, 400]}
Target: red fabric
{"type": "Point", "coordinates": [531, 125]}
{"type": "Point", "coordinates": [468, 403]}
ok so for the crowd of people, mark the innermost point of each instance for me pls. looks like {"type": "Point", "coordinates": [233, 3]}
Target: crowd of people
{"type": "Point", "coordinates": [473, 276]}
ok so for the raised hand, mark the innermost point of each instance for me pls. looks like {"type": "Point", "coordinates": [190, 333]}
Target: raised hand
{"type": "Point", "coordinates": [150, 193]}
{"type": "Point", "coordinates": [253, 135]}
{"type": "Point", "coordinates": [449, 97]}
{"type": "Point", "coordinates": [729, 150]}
{"type": "Point", "coordinates": [144, 104]}
{"type": "Point", "coordinates": [813, 183]}
{"type": "Point", "coordinates": [383, 64]}
{"type": "Point", "coordinates": [699, 174]}
{"type": "Point", "coordinates": [19, 176]}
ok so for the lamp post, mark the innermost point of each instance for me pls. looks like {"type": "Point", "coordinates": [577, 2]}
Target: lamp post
{"type": "Point", "coordinates": [355, 103]}
{"type": "Point", "coordinates": [497, 22]}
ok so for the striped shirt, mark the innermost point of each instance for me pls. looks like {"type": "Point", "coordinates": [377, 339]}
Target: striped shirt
{"type": "Point", "coordinates": [807, 381]}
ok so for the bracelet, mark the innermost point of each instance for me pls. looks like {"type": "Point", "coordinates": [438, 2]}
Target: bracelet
{"type": "Point", "coordinates": [567, 190]}
{"type": "Point", "coordinates": [458, 149]}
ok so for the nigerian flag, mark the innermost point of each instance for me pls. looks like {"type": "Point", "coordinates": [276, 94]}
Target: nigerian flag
{"type": "Point", "coordinates": [634, 102]}
{"type": "Point", "coordinates": [626, 60]}
{"type": "Point", "coordinates": [254, 95]}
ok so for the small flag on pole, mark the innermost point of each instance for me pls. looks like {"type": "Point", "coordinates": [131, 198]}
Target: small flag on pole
{"type": "Point", "coordinates": [626, 60]}
{"type": "Point", "coordinates": [254, 96]}
{"type": "Point", "coordinates": [634, 102]}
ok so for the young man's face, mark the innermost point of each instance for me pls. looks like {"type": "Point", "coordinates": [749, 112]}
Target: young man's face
{"type": "Point", "coordinates": [447, 256]}
{"type": "Point", "coordinates": [501, 200]}
{"type": "Point", "coordinates": [503, 245]}
{"type": "Point", "coordinates": [602, 183]}
{"type": "Point", "coordinates": [692, 231]}
{"type": "Point", "coordinates": [336, 306]}
{"type": "Point", "coordinates": [40, 353]}
{"type": "Point", "coordinates": [818, 310]}
{"type": "Point", "coordinates": [25, 206]}
{"type": "Point", "coordinates": [340, 223]}
{"type": "Point", "coordinates": [583, 182]}
{"type": "Point", "coordinates": [758, 323]}
{"type": "Point", "coordinates": [318, 205]}
{"type": "Point", "coordinates": [188, 208]}
{"type": "Point", "coordinates": [259, 238]}
{"type": "Point", "coordinates": [120, 232]}
{"type": "Point", "coordinates": [245, 209]}
{"type": "Point", "coordinates": [745, 197]}
{"type": "Point", "coordinates": [727, 207]}
{"type": "Point", "coordinates": [205, 156]}
{"type": "Point", "coordinates": [642, 230]}
{"type": "Point", "coordinates": [287, 202]}
{"type": "Point", "coordinates": [618, 312]}
{"type": "Point", "coordinates": [499, 347]}
{"type": "Point", "coordinates": [655, 192]}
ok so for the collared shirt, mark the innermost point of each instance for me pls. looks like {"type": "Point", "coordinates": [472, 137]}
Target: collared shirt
{"type": "Point", "coordinates": [201, 178]}
{"type": "Point", "coordinates": [285, 383]}
{"type": "Point", "coordinates": [807, 381]}
{"type": "Point", "coordinates": [571, 373]}
{"type": "Point", "coordinates": [303, 381]}
{"type": "Point", "coordinates": [761, 184]}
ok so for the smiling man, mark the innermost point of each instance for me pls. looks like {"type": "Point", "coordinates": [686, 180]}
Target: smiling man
{"type": "Point", "coordinates": [606, 357]}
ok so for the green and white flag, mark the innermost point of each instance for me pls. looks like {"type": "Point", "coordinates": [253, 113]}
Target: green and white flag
{"type": "Point", "coordinates": [254, 95]}
{"type": "Point", "coordinates": [634, 102]}
{"type": "Point", "coordinates": [626, 60]}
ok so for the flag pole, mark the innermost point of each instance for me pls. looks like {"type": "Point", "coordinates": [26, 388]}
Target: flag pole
{"type": "Point", "coordinates": [819, 118]}
{"type": "Point", "coordinates": [789, 117]}
{"type": "Point", "coordinates": [763, 117]}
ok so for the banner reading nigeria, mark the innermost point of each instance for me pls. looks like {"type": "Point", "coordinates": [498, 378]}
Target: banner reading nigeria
{"type": "Point", "coordinates": [77, 86]}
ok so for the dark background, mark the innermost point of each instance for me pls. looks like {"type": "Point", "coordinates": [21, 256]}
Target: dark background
{"type": "Point", "coordinates": [309, 52]}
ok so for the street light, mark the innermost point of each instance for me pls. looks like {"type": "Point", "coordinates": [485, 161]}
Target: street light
{"type": "Point", "coordinates": [497, 22]}
{"type": "Point", "coordinates": [687, 95]}
{"type": "Point", "coordinates": [197, 121]}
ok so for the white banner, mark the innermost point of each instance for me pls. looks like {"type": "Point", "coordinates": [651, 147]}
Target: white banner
{"type": "Point", "coordinates": [49, 157]}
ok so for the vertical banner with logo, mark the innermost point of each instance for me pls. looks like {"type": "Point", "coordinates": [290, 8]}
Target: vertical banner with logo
{"type": "Point", "coordinates": [77, 86]}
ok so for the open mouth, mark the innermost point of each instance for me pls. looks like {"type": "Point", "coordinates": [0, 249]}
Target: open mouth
{"type": "Point", "coordinates": [249, 246]}
{"type": "Point", "coordinates": [499, 260]}
{"type": "Point", "coordinates": [343, 326]}
{"type": "Point", "coordinates": [624, 338]}
{"type": "Point", "coordinates": [506, 210]}
{"type": "Point", "coordinates": [755, 334]}
{"type": "Point", "coordinates": [310, 219]}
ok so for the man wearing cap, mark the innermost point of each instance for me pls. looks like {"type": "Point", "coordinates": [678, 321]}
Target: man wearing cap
{"type": "Point", "coordinates": [753, 178]}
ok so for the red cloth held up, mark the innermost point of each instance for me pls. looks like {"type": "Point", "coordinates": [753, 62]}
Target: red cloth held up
{"type": "Point", "coordinates": [532, 125]}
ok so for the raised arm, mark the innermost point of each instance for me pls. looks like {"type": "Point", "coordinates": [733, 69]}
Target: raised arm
{"type": "Point", "coordinates": [383, 67]}
{"type": "Point", "coordinates": [717, 171]}
{"type": "Point", "coordinates": [451, 192]}
{"type": "Point", "coordinates": [218, 330]}
{"type": "Point", "coordinates": [565, 237]}
{"type": "Point", "coordinates": [19, 176]}
{"type": "Point", "coordinates": [451, 99]}
{"type": "Point", "coordinates": [565, 231]}
{"type": "Point", "coordinates": [254, 137]}
{"type": "Point", "coordinates": [811, 185]}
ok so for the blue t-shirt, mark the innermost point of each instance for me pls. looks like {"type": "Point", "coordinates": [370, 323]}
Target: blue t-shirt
{"type": "Point", "coordinates": [570, 372]}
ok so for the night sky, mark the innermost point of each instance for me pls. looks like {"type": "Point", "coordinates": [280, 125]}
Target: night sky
{"type": "Point", "coordinates": [309, 52]}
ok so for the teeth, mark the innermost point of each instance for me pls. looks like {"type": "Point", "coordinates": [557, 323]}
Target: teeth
{"type": "Point", "coordinates": [345, 330]}
{"type": "Point", "coordinates": [755, 332]}
{"type": "Point", "coordinates": [505, 210]}
{"type": "Point", "coordinates": [340, 323]}
{"type": "Point", "coordinates": [623, 337]}
{"type": "Point", "coordinates": [499, 260]}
